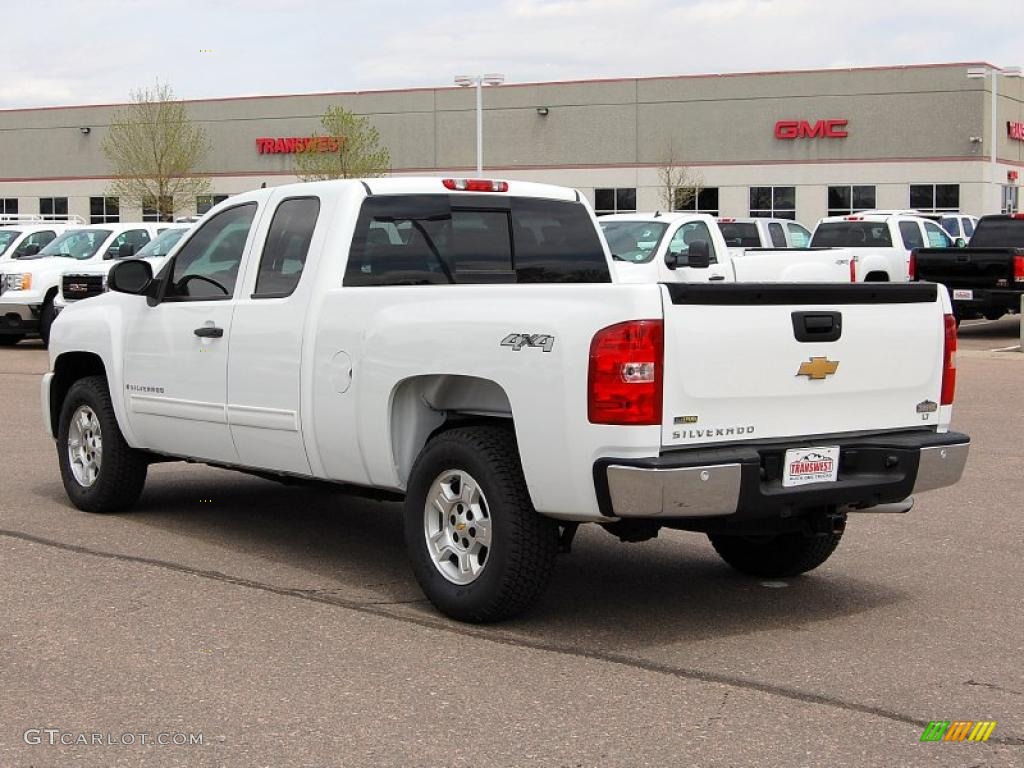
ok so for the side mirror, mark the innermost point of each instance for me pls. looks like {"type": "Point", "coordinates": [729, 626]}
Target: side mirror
{"type": "Point", "coordinates": [125, 251]}
{"type": "Point", "coordinates": [699, 255]}
{"type": "Point", "coordinates": [673, 259]}
{"type": "Point", "coordinates": [31, 250]}
{"type": "Point", "coordinates": [133, 276]}
{"type": "Point", "coordinates": [960, 243]}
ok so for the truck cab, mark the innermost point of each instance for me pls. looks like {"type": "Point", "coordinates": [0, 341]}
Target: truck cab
{"type": "Point", "coordinates": [756, 232]}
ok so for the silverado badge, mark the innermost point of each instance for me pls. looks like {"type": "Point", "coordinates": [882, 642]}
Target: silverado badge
{"type": "Point", "coordinates": [818, 368]}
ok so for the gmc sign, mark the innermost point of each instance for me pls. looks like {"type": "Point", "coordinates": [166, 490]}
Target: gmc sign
{"type": "Point", "coordinates": [802, 129]}
{"type": "Point", "coordinates": [1015, 131]}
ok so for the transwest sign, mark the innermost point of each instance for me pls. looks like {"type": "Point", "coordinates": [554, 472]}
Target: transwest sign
{"type": "Point", "coordinates": [1015, 130]}
{"type": "Point", "coordinates": [293, 144]}
{"type": "Point", "coordinates": [803, 129]}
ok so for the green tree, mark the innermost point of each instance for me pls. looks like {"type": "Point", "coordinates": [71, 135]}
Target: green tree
{"type": "Point", "coordinates": [155, 150]}
{"type": "Point", "coordinates": [353, 149]}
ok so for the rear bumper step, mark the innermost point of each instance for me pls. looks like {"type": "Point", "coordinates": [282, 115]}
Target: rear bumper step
{"type": "Point", "coordinates": [744, 481]}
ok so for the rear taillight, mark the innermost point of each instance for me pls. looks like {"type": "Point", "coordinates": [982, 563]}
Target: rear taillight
{"type": "Point", "coordinates": [1018, 269]}
{"type": "Point", "coordinates": [624, 384]}
{"type": "Point", "coordinates": [948, 361]}
{"type": "Point", "coordinates": [912, 266]}
{"type": "Point", "coordinates": [853, 269]}
{"type": "Point", "coordinates": [475, 185]}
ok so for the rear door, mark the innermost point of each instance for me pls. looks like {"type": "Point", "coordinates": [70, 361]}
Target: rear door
{"type": "Point", "coordinates": [755, 362]}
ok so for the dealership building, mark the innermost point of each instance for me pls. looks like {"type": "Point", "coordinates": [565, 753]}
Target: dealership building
{"type": "Point", "coordinates": [800, 144]}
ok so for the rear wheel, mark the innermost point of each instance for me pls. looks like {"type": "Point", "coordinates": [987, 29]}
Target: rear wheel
{"type": "Point", "coordinates": [9, 340]}
{"type": "Point", "coordinates": [101, 472]}
{"type": "Point", "coordinates": [994, 314]}
{"type": "Point", "coordinates": [783, 554]}
{"type": "Point", "coordinates": [478, 548]}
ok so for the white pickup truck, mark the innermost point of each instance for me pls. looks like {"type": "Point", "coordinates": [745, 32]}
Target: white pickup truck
{"type": "Point", "coordinates": [757, 232]}
{"type": "Point", "coordinates": [79, 283]}
{"type": "Point", "coordinates": [461, 344]}
{"type": "Point", "coordinates": [690, 248]}
{"type": "Point", "coordinates": [881, 242]}
{"type": "Point", "coordinates": [29, 285]}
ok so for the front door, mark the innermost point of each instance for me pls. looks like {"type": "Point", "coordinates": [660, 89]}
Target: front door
{"type": "Point", "coordinates": [680, 244]}
{"type": "Point", "coordinates": [176, 352]}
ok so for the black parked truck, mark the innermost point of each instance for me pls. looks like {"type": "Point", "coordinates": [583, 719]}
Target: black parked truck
{"type": "Point", "coordinates": [985, 279]}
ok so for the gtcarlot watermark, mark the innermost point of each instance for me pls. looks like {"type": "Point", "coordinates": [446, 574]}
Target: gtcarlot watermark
{"type": "Point", "coordinates": [56, 736]}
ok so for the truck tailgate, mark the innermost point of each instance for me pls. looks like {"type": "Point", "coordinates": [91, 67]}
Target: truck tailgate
{"type": "Point", "coordinates": [757, 361]}
{"type": "Point", "coordinates": [966, 267]}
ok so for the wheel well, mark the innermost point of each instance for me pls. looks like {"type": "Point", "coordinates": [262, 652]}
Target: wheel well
{"type": "Point", "coordinates": [876, 277]}
{"type": "Point", "coordinates": [422, 406]}
{"type": "Point", "coordinates": [69, 368]}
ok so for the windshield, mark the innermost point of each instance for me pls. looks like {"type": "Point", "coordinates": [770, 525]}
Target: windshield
{"type": "Point", "coordinates": [852, 234]}
{"type": "Point", "coordinates": [634, 241]}
{"type": "Point", "coordinates": [7, 236]}
{"type": "Point", "coordinates": [77, 244]}
{"type": "Point", "coordinates": [161, 245]}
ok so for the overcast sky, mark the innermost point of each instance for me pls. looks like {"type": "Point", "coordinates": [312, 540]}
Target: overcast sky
{"type": "Point", "coordinates": [96, 51]}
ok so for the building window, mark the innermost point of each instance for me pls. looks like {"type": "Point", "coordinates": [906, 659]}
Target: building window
{"type": "Point", "coordinates": [104, 210]}
{"type": "Point", "coordinates": [609, 200]}
{"type": "Point", "coordinates": [1010, 198]}
{"type": "Point", "coordinates": [697, 199]}
{"type": "Point", "coordinates": [205, 202]}
{"type": "Point", "coordinates": [845, 200]}
{"type": "Point", "coordinates": [53, 206]}
{"type": "Point", "coordinates": [773, 202]}
{"type": "Point", "coordinates": [8, 205]}
{"type": "Point", "coordinates": [935, 198]}
{"type": "Point", "coordinates": [151, 213]}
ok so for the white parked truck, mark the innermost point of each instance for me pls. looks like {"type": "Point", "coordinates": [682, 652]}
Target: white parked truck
{"type": "Point", "coordinates": [690, 248]}
{"type": "Point", "coordinates": [29, 285]}
{"type": "Point", "coordinates": [462, 344]}
{"type": "Point", "coordinates": [79, 283]}
{"type": "Point", "coordinates": [757, 232]}
{"type": "Point", "coordinates": [881, 242]}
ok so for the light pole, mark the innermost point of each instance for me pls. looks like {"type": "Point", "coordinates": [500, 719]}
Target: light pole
{"type": "Point", "coordinates": [479, 81]}
{"type": "Point", "coordinates": [978, 73]}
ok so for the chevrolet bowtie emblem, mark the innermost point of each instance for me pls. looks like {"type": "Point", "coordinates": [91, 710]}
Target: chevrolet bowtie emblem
{"type": "Point", "coordinates": [818, 368]}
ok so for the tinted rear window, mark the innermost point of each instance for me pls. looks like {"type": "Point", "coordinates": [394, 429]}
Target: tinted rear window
{"type": "Point", "coordinates": [998, 233]}
{"type": "Point", "coordinates": [740, 235]}
{"type": "Point", "coordinates": [444, 239]}
{"type": "Point", "coordinates": [852, 234]}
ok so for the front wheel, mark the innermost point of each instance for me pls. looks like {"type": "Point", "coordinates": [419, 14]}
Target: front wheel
{"type": "Point", "coordinates": [46, 317]}
{"type": "Point", "coordinates": [479, 549]}
{"type": "Point", "coordinates": [783, 554]}
{"type": "Point", "coordinates": [101, 472]}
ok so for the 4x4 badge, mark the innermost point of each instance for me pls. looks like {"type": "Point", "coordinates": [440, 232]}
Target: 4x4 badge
{"type": "Point", "coordinates": [818, 368]}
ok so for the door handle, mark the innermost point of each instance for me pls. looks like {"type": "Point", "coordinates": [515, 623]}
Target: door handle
{"type": "Point", "coordinates": [209, 332]}
{"type": "Point", "coordinates": [715, 278]}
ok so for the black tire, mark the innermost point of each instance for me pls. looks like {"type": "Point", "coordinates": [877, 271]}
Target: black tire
{"type": "Point", "coordinates": [122, 472]}
{"type": "Point", "coordinates": [994, 314]}
{"type": "Point", "coordinates": [9, 340]}
{"type": "Point", "coordinates": [46, 318]}
{"type": "Point", "coordinates": [523, 543]}
{"type": "Point", "coordinates": [785, 554]}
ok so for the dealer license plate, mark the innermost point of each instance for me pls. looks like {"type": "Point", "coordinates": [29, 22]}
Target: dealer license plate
{"type": "Point", "coordinates": [811, 465]}
{"type": "Point", "coordinates": [961, 295]}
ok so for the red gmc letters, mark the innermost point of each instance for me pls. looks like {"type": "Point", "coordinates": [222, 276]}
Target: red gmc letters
{"type": "Point", "coordinates": [293, 144]}
{"type": "Point", "coordinates": [802, 129]}
{"type": "Point", "coordinates": [1015, 130]}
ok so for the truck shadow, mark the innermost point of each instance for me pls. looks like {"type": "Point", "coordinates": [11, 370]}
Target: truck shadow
{"type": "Point", "coordinates": [603, 594]}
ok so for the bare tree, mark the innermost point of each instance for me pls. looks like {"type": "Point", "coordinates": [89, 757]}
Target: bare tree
{"type": "Point", "coordinates": [155, 150]}
{"type": "Point", "coordinates": [678, 184]}
{"type": "Point", "coordinates": [348, 148]}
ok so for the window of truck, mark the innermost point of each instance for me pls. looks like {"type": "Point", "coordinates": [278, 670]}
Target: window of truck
{"type": "Point", "coordinates": [286, 248]}
{"type": "Point", "coordinates": [687, 234]}
{"type": "Point", "coordinates": [799, 236]}
{"type": "Point", "coordinates": [998, 233]}
{"type": "Point", "coordinates": [207, 265]}
{"type": "Point", "coordinates": [473, 239]}
{"type": "Point", "coordinates": [77, 244]}
{"type": "Point", "coordinates": [852, 234]}
{"type": "Point", "coordinates": [910, 232]}
{"type": "Point", "coordinates": [937, 237]}
{"type": "Point", "coordinates": [7, 236]}
{"type": "Point", "coordinates": [635, 241]}
{"type": "Point", "coordinates": [740, 235]}
{"type": "Point", "coordinates": [777, 235]}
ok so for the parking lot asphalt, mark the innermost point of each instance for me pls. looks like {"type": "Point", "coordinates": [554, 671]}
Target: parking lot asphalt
{"type": "Point", "coordinates": [284, 626]}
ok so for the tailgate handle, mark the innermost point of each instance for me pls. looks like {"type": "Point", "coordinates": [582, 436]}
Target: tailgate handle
{"type": "Point", "coordinates": [817, 326]}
